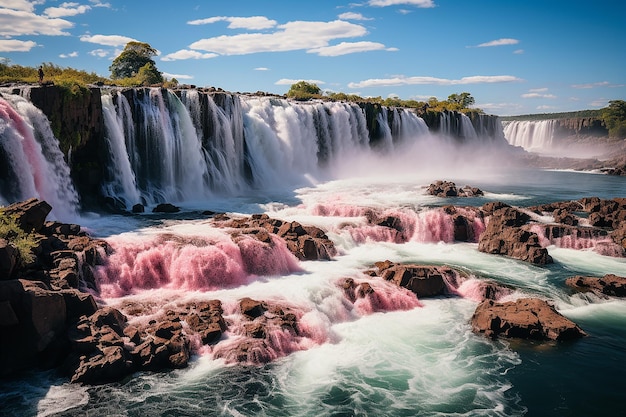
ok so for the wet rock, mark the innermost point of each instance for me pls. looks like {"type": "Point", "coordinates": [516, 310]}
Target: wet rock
{"type": "Point", "coordinates": [307, 243]}
{"type": "Point", "coordinates": [526, 318]}
{"type": "Point", "coordinates": [504, 236]}
{"type": "Point", "coordinates": [138, 208]}
{"type": "Point", "coordinates": [449, 189]}
{"type": "Point", "coordinates": [609, 284]}
{"type": "Point", "coordinates": [423, 280]}
{"type": "Point", "coordinates": [165, 208]}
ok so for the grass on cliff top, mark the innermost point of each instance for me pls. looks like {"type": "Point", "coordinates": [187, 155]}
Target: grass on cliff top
{"type": "Point", "coordinates": [13, 233]}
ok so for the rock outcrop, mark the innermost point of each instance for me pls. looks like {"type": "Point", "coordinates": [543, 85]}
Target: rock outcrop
{"type": "Point", "coordinates": [422, 280]}
{"type": "Point", "coordinates": [305, 242]}
{"type": "Point", "coordinates": [526, 318]}
{"type": "Point", "coordinates": [610, 284]}
{"type": "Point", "coordinates": [449, 189]}
{"type": "Point", "coordinates": [504, 235]}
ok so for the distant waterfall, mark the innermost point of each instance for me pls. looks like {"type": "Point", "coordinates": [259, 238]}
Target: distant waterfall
{"type": "Point", "coordinates": [533, 136]}
{"type": "Point", "coordinates": [459, 126]}
{"type": "Point", "coordinates": [35, 166]}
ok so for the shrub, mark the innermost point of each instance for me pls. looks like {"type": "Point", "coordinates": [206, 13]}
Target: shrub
{"type": "Point", "coordinates": [24, 242]}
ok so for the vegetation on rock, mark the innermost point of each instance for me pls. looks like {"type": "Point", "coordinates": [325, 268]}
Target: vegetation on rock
{"type": "Point", "coordinates": [24, 242]}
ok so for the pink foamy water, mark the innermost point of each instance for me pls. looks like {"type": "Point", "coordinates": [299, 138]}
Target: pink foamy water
{"type": "Point", "coordinates": [189, 263]}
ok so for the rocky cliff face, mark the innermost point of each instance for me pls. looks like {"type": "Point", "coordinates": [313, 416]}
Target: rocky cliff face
{"type": "Point", "coordinates": [585, 126]}
{"type": "Point", "coordinates": [77, 121]}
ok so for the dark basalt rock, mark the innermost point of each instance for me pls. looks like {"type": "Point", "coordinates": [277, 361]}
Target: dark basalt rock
{"type": "Point", "coordinates": [165, 208]}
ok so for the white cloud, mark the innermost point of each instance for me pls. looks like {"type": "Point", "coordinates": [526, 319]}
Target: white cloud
{"type": "Point", "coordinates": [537, 95]}
{"type": "Point", "coordinates": [345, 48]}
{"type": "Point", "coordinates": [98, 3]}
{"type": "Point", "coordinates": [261, 69]}
{"type": "Point", "coordinates": [418, 3]}
{"type": "Point", "coordinates": [538, 90]}
{"type": "Point", "coordinates": [70, 55]}
{"type": "Point", "coordinates": [353, 16]}
{"type": "Point", "coordinates": [23, 5]}
{"type": "Point", "coordinates": [100, 53]}
{"type": "Point", "coordinates": [546, 107]}
{"type": "Point", "coordinates": [177, 76]}
{"type": "Point", "coordinates": [499, 42]}
{"type": "Point", "coordinates": [402, 80]}
{"type": "Point", "coordinates": [252, 23]}
{"type": "Point", "coordinates": [13, 45]}
{"type": "Point", "coordinates": [21, 22]}
{"type": "Point", "coordinates": [108, 40]}
{"type": "Point", "coordinates": [518, 51]}
{"type": "Point", "coordinates": [187, 54]}
{"type": "Point", "coordinates": [290, 36]}
{"type": "Point", "coordinates": [287, 81]}
{"type": "Point", "coordinates": [598, 84]}
{"type": "Point", "coordinates": [66, 9]}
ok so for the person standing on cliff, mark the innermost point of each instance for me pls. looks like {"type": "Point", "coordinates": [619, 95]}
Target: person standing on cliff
{"type": "Point", "coordinates": [40, 72]}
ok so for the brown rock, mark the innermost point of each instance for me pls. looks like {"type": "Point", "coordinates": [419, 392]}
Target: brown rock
{"type": "Point", "coordinates": [526, 318]}
{"type": "Point", "coordinates": [9, 257]}
{"type": "Point", "coordinates": [504, 236]}
{"type": "Point", "coordinates": [423, 280]}
{"type": "Point", "coordinates": [609, 284]}
{"type": "Point", "coordinates": [30, 214]}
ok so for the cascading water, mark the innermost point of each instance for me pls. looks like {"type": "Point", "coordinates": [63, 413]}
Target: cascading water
{"type": "Point", "coordinates": [35, 164]}
{"type": "Point", "coordinates": [163, 148]}
{"type": "Point", "coordinates": [533, 136]}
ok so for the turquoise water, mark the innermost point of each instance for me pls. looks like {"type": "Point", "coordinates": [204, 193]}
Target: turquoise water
{"type": "Point", "coordinates": [424, 361]}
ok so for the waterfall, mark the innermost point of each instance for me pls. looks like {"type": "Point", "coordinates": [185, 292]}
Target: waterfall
{"type": "Point", "coordinates": [35, 166]}
{"type": "Point", "coordinates": [191, 145]}
{"type": "Point", "coordinates": [121, 181]}
{"type": "Point", "coordinates": [534, 136]}
{"type": "Point", "coordinates": [459, 126]}
{"type": "Point", "coordinates": [156, 156]}
{"type": "Point", "coordinates": [408, 126]}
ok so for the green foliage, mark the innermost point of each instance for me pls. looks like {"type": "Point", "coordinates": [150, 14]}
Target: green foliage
{"type": "Point", "coordinates": [57, 75]}
{"type": "Point", "coordinates": [24, 242]}
{"type": "Point", "coordinates": [148, 75]}
{"type": "Point", "coordinates": [303, 90]}
{"type": "Point", "coordinates": [615, 118]}
{"type": "Point", "coordinates": [134, 56]}
{"type": "Point", "coordinates": [462, 101]}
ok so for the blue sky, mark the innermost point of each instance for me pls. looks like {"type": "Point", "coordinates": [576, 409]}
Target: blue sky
{"type": "Point", "coordinates": [513, 56]}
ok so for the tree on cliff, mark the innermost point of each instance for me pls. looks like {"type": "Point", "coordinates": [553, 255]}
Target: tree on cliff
{"type": "Point", "coordinates": [136, 60]}
{"type": "Point", "coordinates": [303, 90]}
{"type": "Point", "coordinates": [615, 118]}
{"type": "Point", "coordinates": [463, 100]}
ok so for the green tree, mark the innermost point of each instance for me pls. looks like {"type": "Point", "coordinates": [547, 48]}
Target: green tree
{"type": "Point", "coordinates": [463, 100]}
{"type": "Point", "coordinates": [303, 90]}
{"type": "Point", "coordinates": [148, 75]}
{"type": "Point", "coordinates": [615, 118]}
{"type": "Point", "coordinates": [134, 56]}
